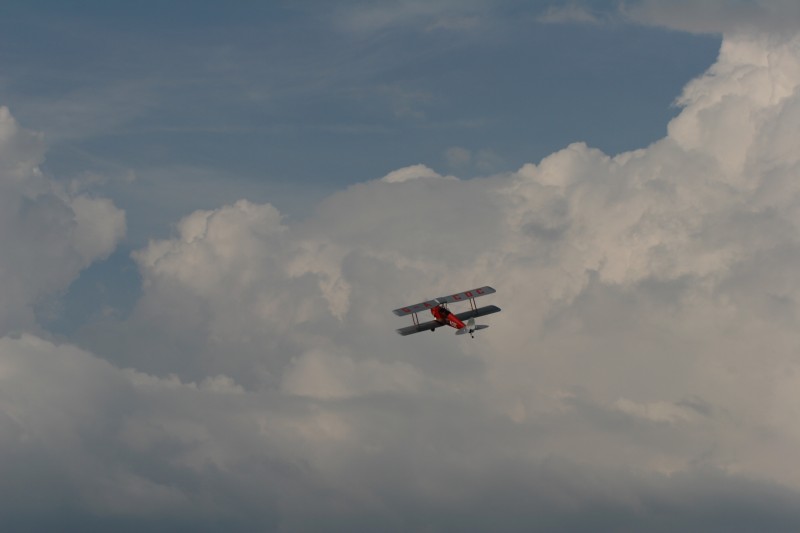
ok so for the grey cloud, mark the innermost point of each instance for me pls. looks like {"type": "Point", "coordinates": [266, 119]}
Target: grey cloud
{"type": "Point", "coordinates": [642, 375]}
{"type": "Point", "coordinates": [718, 16]}
{"type": "Point", "coordinates": [119, 449]}
{"type": "Point", "coordinates": [641, 296]}
{"type": "Point", "coordinates": [47, 235]}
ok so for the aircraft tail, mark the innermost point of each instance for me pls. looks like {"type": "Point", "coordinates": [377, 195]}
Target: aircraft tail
{"type": "Point", "coordinates": [471, 328]}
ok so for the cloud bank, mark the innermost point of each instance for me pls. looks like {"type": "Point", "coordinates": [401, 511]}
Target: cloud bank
{"type": "Point", "coordinates": [643, 374]}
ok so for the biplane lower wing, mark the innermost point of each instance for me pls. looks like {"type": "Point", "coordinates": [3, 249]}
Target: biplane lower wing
{"type": "Point", "coordinates": [416, 328]}
{"type": "Point", "coordinates": [433, 324]}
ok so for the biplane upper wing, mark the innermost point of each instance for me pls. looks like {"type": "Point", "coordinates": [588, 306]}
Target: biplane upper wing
{"type": "Point", "coordinates": [416, 308]}
{"type": "Point", "coordinates": [466, 295]}
{"type": "Point", "coordinates": [416, 328]}
{"type": "Point", "coordinates": [475, 313]}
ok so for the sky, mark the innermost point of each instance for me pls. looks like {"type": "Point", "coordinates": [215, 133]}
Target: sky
{"type": "Point", "coordinates": [208, 211]}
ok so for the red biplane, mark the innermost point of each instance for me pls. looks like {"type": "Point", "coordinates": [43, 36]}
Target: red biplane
{"type": "Point", "coordinates": [444, 317]}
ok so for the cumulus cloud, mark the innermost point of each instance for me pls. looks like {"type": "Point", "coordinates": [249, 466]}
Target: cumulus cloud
{"type": "Point", "coordinates": [719, 16]}
{"type": "Point", "coordinates": [411, 173]}
{"type": "Point", "coordinates": [47, 236]}
{"type": "Point", "coordinates": [642, 374]}
{"type": "Point", "coordinates": [99, 445]}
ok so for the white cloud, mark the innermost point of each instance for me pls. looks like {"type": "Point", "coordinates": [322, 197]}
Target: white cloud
{"type": "Point", "coordinates": [47, 236]}
{"type": "Point", "coordinates": [320, 375]}
{"type": "Point", "coordinates": [411, 173]}
{"type": "Point", "coordinates": [141, 450]}
{"type": "Point", "coordinates": [60, 407]}
{"type": "Point", "coordinates": [658, 411]}
{"type": "Point", "coordinates": [645, 358]}
{"type": "Point", "coordinates": [652, 276]}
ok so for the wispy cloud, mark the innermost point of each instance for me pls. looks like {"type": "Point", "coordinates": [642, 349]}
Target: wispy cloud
{"type": "Point", "coordinates": [439, 14]}
{"type": "Point", "coordinates": [718, 16]}
{"type": "Point", "coordinates": [572, 13]}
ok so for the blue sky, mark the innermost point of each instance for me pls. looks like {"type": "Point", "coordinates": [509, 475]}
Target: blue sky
{"type": "Point", "coordinates": [208, 102]}
{"type": "Point", "coordinates": [208, 210]}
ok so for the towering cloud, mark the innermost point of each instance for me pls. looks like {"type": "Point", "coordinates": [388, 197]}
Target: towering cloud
{"type": "Point", "coordinates": [47, 236]}
{"type": "Point", "coordinates": [642, 375]}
